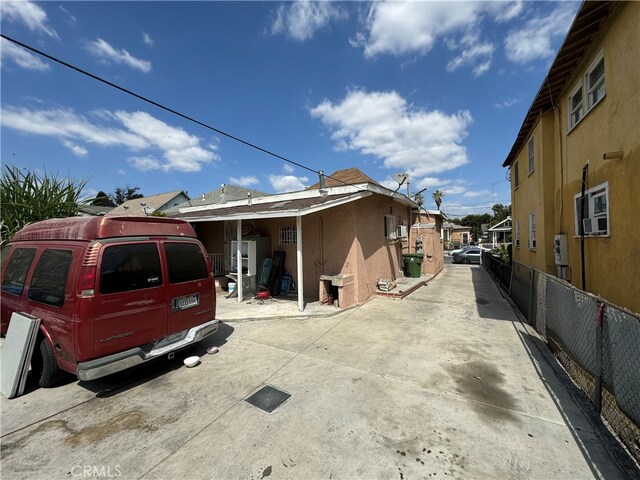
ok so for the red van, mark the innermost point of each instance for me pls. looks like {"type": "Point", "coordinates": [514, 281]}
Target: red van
{"type": "Point", "coordinates": [111, 292]}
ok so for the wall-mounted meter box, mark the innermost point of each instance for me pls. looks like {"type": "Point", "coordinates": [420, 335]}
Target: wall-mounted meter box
{"type": "Point", "coordinates": [560, 249]}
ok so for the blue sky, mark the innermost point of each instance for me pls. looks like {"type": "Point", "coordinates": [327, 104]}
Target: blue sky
{"type": "Point", "coordinates": [435, 89]}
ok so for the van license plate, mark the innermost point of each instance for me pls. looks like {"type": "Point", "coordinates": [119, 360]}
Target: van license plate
{"type": "Point", "coordinates": [183, 303]}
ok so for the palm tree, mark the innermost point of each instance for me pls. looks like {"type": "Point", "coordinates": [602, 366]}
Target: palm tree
{"type": "Point", "coordinates": [437, 197]}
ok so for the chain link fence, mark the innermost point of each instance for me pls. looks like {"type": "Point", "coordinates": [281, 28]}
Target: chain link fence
{"type": "Point", "coordinates": [598, 344]}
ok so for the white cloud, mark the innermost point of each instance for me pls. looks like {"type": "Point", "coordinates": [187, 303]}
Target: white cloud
{"type": "Point", "coordinates": [533, 40]}
{"type": "Point", "coordinates": [506, 12]}
{"type": "Point", "coordinates": [71, 18]}
{"type": "Point", "coordinates": [399, 28]}
{"type": "Point", "coordinates": [506, 103]}
{"type": "Point", "coordinates": [145, 164]}
{"type": "Point", "coordinates": [181, 151]}
{"type": "Point", "coordinates": [288, 168]}
{"type": "Point", "coordinates": [28, 13]}
{"type": "Point", "coordinates": [146, 38]}
{"type": "Point", "coordinates": [244, 181]}
{"type": "Point", "coordinates": [474, 53]}
{"type": "Point", "coordinates": [78, 150]}
{"type": "Point", "coordinates": [382, 124]}
{"type": "Point", "coordinates": [477, 193]}
{"type": "Point", "coordinates": [301, 19]}
{"type": "Point", "coordinates": [20, 56]}
{"type": "Point", "coordinates": [287, 183]}
{"type": "Point", "coordinates": [104, 50]}
{"type": "Point", "coordinates": [121, 172]}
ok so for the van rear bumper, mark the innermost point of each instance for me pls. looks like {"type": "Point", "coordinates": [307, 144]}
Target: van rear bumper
{"type": "Point", "coordinates": [101, 367]}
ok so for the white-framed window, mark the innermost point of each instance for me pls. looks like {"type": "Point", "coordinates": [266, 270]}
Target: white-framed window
{"type": "Point", "coordinates": [288, 235]}
{"type": "Point", "coordinates": [596, 211]}
{"type": "Point", "coordinates": [594, 81]}
{"type": "Point", "coordinates": [532, 230]}
{"type": "Point", "coordinates": [517, 233]}
{"type": "Point", "coordinates": [531, 157]}
{"type": "Point", "coordinates": [576, 108]}
{"type": "Point", "coordinates": [516, 177]}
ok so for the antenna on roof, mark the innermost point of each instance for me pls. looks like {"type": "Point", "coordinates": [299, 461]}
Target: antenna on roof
{"type": "Point", "coordinates": [401, 178]}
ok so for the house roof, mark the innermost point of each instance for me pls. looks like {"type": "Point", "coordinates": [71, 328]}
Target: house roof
{"type": "Point", "coordinates": [224, 194]}
{"type": "Point", "coordinates": [289, 204]}
{"type": "Point", "coordinates": [588, 21]}
{"type": "Point", "coordinates": [499, 227]}
{"type": "Point", "coordinates": [137, 206]}
{"type": "Point", "coordinates": [349, 176]}
{"type": "Point", "coordinates": [94, 210]}
{"type": "Point", "coordinates": [455, 226]}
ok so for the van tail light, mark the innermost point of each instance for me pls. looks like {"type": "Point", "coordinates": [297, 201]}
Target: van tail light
{"type": "Point", "coordinates": [86, 287]}
{"type": "Point", "coordinates": [87, 284]}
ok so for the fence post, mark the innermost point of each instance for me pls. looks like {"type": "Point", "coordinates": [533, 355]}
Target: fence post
{"type": "Point", "coordinates": [599, 331]}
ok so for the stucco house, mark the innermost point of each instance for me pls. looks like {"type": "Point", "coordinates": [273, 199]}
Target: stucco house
{"type": "Point", "coordinates": [342, 238]}
{"type": "Point", "coordinates": [575, 163]}
{"type": "Point", "coordinates": [456, 236]}
{"type": "Point", "coordinates": [159, 203]}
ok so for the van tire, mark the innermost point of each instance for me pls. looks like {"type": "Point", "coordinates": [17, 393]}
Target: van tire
{"type": "Point", "coordinates": [44, 365]}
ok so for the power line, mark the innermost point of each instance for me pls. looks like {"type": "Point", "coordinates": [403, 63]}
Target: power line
{"type": "Point", "coordinates": [168, 109]}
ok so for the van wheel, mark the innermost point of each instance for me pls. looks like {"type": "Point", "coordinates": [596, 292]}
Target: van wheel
{"type": "Point", "coordinates": [44, 366]}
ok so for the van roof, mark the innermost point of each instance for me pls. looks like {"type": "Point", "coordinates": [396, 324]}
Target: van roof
{"type": "Point", "coordinates": [93, 228]}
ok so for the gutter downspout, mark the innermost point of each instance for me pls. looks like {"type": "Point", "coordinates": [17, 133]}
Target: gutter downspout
{"type": "Point", "coordinates": [585, 170]}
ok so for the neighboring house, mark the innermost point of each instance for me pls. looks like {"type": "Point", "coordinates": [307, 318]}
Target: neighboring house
{"type": "Point", "coordinates": [583, 128]}
{"type": "Point", "coordinates": [500, 232]}
{"type": "Point", "coordinates": [160, 203]}
{"type": "Point", "coordinates": [224, 194]}
{"type": "Point", "coordinates": [455, 235]}
{"type": "Point", "coordinates": [93, 210]}
{"type": "Point", "coordinates": [344, 237]}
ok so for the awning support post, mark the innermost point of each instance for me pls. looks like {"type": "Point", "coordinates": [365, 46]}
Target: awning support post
{"type": "Point", "coordinates": [299, 262]}
{"type": "Point", "coordinates": [239, 259]}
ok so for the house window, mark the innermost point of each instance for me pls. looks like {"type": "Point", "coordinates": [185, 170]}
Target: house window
{"type": "Point", "coordinates": [596, 211]}
{"type": "Point", "coordinates": [532, 230]}
{"type": "Point", "coordinates": [576, 110]}
{"type": "Point", "coordinates": [531, 156]}
{"type": "Point", "coordinates": [288, 236]}
{"type": "Point", "coordinates": [516, 177]}
{"type": "Point", "coordinates": [595, 82]}
{"type": "Point", "coordinates": [517, 228]}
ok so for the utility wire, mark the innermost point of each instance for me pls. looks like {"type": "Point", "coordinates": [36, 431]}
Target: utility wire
{"type": "Point", "coordinates": [170, 110]}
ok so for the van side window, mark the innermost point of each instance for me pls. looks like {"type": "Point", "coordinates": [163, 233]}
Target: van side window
{"type": "Point", "coordinates": [17, 268]}
{"type": "Point", "coordinates": [50, 277]}
{"type": "Point", "coordinates": [130, 267]}
{"type": "Point", "coordinates": [186, 262]}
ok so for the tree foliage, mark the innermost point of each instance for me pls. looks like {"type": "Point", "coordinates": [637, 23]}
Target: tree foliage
{"type": "Point", "coordinates": [437, 197]}
{"type": "Point", "coordinates": [500, 212]}
{"type": "Point", "coordinates": [28, 197]}
{"type": "Point", "coordinates": [123, 194]}
{"type": "Point", "coordinates": [102, 200]}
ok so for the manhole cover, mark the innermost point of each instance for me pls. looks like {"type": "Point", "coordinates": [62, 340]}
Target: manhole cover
{"type": "Point", "coordinates": [268, 398]}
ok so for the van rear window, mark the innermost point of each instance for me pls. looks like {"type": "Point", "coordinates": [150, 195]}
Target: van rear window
{"type": "Point", "coordinates": [186, 262]}
{"type": "Point", "coordinates": [130, 267]}
{"type": "Point", "coordinates": [17, 268]}
{"type": "Point", "coordinates": [50, 277]}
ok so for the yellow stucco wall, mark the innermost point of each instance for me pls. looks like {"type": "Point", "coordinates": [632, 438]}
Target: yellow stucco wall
{"type": "Point", "coordinates": [612, 263]}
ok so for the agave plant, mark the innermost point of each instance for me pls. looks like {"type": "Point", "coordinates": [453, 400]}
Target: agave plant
{"type": "Point", "coordinates": [27, 197]}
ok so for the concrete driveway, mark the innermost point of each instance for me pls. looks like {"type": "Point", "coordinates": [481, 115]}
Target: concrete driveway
{"type": "Point", "coordinates": [443, 384]}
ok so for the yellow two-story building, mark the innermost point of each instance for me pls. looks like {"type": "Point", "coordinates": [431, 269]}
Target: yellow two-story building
{"type": "Point", "coordinates": [575, 164]}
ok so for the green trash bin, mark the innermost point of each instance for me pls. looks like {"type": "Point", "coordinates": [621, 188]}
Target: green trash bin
{"type": "Point", "coordinates": [412, 264]}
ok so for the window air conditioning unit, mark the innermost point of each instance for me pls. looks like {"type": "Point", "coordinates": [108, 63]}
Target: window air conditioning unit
{"type": "Point", "coordinates": [401, 231]}
{"type": "Point", "coordinates": [390, 227]}
{"type": "Point", "coordinates": [595, 226]}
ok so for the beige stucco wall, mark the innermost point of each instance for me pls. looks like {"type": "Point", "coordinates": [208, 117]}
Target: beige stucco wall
{"type": "Point", "coordinates": [613, 124]}
{"type": "Point", "coordinates": [432, 244]}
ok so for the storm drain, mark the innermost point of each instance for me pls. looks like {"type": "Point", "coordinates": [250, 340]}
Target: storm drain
{"type": "Point", "coordinates": [268, 398]}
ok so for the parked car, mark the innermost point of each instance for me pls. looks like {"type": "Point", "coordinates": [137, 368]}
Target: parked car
{"type": "Point", "coordinates": [470, 255]}
{"type": "Point", "coordinates": [458, 250]}
{"type": "Point", "coordinates": [111, 292]}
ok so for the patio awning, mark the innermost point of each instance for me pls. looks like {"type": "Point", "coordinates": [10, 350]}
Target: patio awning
{"type": "Point", "coordinates": [278, 209]}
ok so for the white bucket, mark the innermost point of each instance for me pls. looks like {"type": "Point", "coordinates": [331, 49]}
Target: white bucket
{"type": "Point", "coordinates": [232, 287]}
